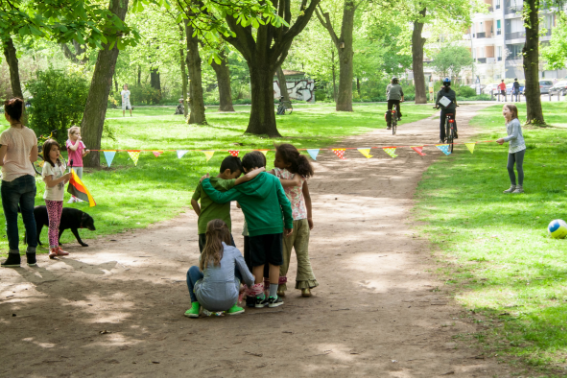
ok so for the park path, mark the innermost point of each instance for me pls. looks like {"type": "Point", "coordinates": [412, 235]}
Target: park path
{"type": "Point", "coordinates": [115, 309]}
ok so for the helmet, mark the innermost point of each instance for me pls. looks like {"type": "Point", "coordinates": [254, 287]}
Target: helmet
{"type": "Point", "coordinates": [446, 82]}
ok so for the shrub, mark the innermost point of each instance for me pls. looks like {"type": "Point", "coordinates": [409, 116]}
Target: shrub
{"type": "Point", "coordinates": [464, 91]}
{"type": "Point", "coordinates": [142, 95]}
{"type": "Point", "coordinates": [58, 102]}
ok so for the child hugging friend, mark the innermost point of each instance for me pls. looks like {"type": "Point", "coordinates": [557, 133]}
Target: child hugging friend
{"type": "Point", "coordinates": [215, 284]}
{"type": "Point", "coordinates": [293, 169]}
{"type": "Point", "coordinates": [268, 214]}
{"type": "Point", "coordinates": [76, 150]}
{"type": "Point", "coordinates": [53, 174]}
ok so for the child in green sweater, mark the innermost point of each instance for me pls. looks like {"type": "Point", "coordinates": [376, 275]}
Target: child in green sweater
{"type": "Point", "coordinates": [264, 204]}
{"type": "Point", "coordinates": [229, 176]}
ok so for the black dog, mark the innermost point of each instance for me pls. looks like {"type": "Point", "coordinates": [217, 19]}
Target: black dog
{"type": "Point", "coordinates": [70, 218]}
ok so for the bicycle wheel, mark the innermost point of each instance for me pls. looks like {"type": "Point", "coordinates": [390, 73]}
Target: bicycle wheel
{"type": "Point", "coordinates": [394, 126]}
{"type": "Point", "coordinates": [450, 136]}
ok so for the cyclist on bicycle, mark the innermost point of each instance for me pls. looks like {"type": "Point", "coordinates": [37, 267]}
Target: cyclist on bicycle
{"type": "Point", "coordinates": [446, 91]}
{"type": "Point", "coordinates": [395, 95]}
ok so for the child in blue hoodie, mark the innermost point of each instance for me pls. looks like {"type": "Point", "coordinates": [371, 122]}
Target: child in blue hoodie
{"type": "Point", "coordinates": [264, 204]}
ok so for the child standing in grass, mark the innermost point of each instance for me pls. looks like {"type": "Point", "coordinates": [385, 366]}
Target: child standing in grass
{"type": "Point", "coordinates": [53, 174]}
{"type": "Point", "coordinates": [76, 150]}
{"type": "Point", "coordinates": [266, 209]}
{"type": "Point", "coordinates": [293, 169]}
{"type": "Point", "coordinates": [516, 150]}
{"type": "Point", "coordinates": [229, 176]}
{"type": "Point", "coordinates": [215, 284]}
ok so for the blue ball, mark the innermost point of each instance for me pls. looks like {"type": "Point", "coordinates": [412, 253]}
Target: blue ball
{"type": "Point", "coordinates": [557, 229]}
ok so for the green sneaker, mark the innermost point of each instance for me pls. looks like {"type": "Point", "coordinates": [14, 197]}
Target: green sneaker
{"type": "Point", "coordinates": [193, 312]}
{"type": "Point", "coordinates": [235, 310]}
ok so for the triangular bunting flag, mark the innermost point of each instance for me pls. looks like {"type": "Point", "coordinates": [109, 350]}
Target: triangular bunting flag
{"type": "Point", "coordinates": [365, 152]}
{"type": "Point", "coordinates": [340, 152]}
{"type": "Point", "coordinates": [444, 148]}
{"type": "Point", "coordinates": [134, 154]}
{"type": "Point", "coordinates": [265, 152]}
{"type": "Point", "coordinates": [313, 153]}
{"type": "Point", "coordinates": [470, 146]}
{"type": "Point", "coordinates": [180, 153]}
{"type": "Point", "coordinates": [157, 153]}
{"type": "Point", "coordinates": [234, 152]}
{"type": "Point", "coordinates": [419, 150]}
{"type": "Point", "coordinates": [391, 151]}
{"type": "Point", "coordinates": [208, 154]}
{"type": "Point", "coordinates": [109, 156]}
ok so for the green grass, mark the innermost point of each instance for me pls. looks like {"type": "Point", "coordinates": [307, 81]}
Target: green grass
{"type": "Point", "coordinates": [130, 197]}
{"type": "Point", "coordinates": [495, 249]}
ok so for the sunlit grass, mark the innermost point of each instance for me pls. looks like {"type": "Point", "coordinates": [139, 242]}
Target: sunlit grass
{"type": "Point", "coordinates": [496, 246]}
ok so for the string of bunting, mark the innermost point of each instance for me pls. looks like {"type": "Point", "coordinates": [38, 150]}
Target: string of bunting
{"type": "Point", "coordinates": [313, 153]}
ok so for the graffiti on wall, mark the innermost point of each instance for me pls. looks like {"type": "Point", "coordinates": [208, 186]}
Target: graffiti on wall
{"type": "Point", "coordinates": [300, 90]}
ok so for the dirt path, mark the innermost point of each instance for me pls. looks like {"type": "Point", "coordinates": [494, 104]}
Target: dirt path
{"type": "Point", "coordinates": [377, 312]}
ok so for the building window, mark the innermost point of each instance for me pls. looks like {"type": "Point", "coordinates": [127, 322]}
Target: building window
{"type": "Point", "coordinates": [497, 4]}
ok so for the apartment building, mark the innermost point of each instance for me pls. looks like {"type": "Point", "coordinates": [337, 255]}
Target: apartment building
{"type": "Point", "coordinates": [496, 40]}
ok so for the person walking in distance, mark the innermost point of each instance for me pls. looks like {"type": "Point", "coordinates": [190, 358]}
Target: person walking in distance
{"type": "Point", "coordinates": [126, 100]}
{"type": "Point", "coordinates": [502, 89]}
{"type": "Point", "coordinates": [515, 90]}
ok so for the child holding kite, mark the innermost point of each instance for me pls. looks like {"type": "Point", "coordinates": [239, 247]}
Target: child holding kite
{"type": "Point", "coordinates": [54, 176]}
{"type": "Point", "coordinates": [76, 150]}
{"type": "Point", "coordinates": [293, 169]}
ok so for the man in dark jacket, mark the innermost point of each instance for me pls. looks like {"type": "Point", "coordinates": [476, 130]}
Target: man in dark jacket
{"type": "Point", "coordinates": [451, 108]}
{"type": "Point", "coordinates": [515, 89]}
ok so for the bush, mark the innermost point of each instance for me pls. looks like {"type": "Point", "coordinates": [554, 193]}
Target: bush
{"type": "Point", "coordinates": [464, 91]}
{"type": "Point", "coordinates": [482, 97]}
{"type": "Point", "coordinates": [320, 95]}
{"type": "Point", "coordinates": [142, 95]}
{"type": "Point", "coordinates": [58, 102]}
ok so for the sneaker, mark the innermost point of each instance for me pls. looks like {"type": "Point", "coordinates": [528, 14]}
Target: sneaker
{"type": "Point", "coordinates": [306, 292]}
{"type": "Point", "coordinates": [261, 302]}
{"type": "Point", "coordinates": [72, 200]}
{"type": "Point", "coordinates": [13, 261]}
{"type": "Point", "coordinates": [61, 252]}
{"type": "Point", "coordinates": [519, 189]}
{"type": "Point", "coordinates": [510, 190]}
{"type": "Point", "coordinates": [235, 310]}
{"type": "Point", "coordinates": [275, 302]}
{"type": "Point", "coordinates": [193, 312]}
{"type": "Point", "coordinates": [31, 259]}
{"type": "Point", "coordinates": [250, 301]}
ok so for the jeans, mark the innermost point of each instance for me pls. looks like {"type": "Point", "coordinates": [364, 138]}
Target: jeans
{"type": "Point", "coordinates": [20, 191]}
{"type": "Point", "coordinates": [517, 158]}
{"type": "Point", "coordinates": [442, 120]}
{"type": "Point", "coordinates": [193, 275]}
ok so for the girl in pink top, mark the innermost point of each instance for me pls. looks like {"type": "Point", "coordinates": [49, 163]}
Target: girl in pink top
{"type": "Point", "coordinates": [293, 169]}
{"type": "Point", "coordinates": [76, 150]}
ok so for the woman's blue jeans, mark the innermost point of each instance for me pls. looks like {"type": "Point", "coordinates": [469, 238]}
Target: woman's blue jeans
{"type": "Point", "coordinates": [20, 191]}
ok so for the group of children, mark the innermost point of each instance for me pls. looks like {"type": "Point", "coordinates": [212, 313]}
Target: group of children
{"type": "Point", "coordinates": [55, 178]}
{"type": "Point", "coordinates": [278, 218]}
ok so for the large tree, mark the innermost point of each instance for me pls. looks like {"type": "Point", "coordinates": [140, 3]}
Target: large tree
{"type": "Point", "coordinates": [97, 100]}
{"type": "Point", "coordinates": [451, 59]}
{"type": "Point", "coordinates": [222, 71]}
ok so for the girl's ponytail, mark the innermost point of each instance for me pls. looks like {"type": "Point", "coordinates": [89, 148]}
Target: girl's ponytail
{"type": "Point", "coordinates": [299, 163]}
{"type": "Point", "coordinates": [217, 233]}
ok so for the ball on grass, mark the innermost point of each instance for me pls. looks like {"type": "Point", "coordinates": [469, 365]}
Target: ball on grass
{"type": "Point", "coordinates": [557, 229]}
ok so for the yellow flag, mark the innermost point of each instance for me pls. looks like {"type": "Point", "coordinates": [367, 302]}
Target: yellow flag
{"type": "Point", "coordinates": [134, 154]}
{"type": "Point", "coordinates": [365, 152]}
{"type": "Point", "coordinates": [265, 152]}
{"type": "Point", "coordinates": [391, 151]}
{"type": "Point", "coordinates": [208, 154]}
{"type": "Point", "coordinates": [470, 146]}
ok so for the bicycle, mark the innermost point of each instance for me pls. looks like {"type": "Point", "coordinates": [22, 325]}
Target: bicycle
{"type": "Point", "coordinates": [450, 129]}
{"type": "Point", "coordinates": [284, 108]}
{"type": "Point", "coordinates": [393, 116]}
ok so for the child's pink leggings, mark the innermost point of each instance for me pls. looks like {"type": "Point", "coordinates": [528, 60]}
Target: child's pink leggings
{"type": "Point", "coordinates": [54, 210]}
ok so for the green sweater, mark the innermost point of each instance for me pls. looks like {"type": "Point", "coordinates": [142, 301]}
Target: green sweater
{"type": "Point", "coordinates": [263, 201]}
{"type": "Point", "coordinates": [211, 210]}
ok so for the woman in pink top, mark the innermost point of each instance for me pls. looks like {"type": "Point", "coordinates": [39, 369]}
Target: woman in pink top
{"type": "Point", "coordinates": [76, 150]}
{"type": "Point", "coordinates": [17, 153]}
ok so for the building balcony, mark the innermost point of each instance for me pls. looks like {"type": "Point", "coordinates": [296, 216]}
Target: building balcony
{"type": "Point", "coordinates": [499, 32]}
{"type": "Point", "coordinates": [481, 60]}
{"type": "Point", "coordinates": [514, 62]}
{"type": "Point", "coordinates": [481, 35]}
{"type": "Point", "coordinates": [516, 35]}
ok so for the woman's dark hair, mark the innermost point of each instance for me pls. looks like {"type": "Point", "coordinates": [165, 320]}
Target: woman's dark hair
{"type": "Point", "coordinates": [299, 163]}
{"type": "Point", "coordinates": [513, 109]}
{"type": "Point", "coordinates": [217, 233]}
{"type": "Point", "coordinates": [15, 108]}
{"type": "Point", "coordinates": [254, 159]}
{"type": "Point", "coordinates": [395, 80]}
{"type": "Point", "coordinates": [47, 146]}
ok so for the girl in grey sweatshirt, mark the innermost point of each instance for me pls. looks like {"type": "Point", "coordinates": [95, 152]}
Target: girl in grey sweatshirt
{"type": "Point", "coordinates": [516, 150]}
{"type": "Point", "coordinates": [215, 284]}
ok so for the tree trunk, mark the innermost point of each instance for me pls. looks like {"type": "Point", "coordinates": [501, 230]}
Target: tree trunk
{"type": "Point", "coordinates": [283, 84]}
{"type": "Point", "coordinates": [262, 113]}
{"type": "Point", "coordinates": [358, 86]}
{"type": "Point", "coordinates": [182, 59]}
{"type": "Point", "coordinates": [417, 51]}
{"type": "Point", "coordinates": [334, 77]}
{"type": "Point", "coordinates": [196, 101]}
{"type": "Point", "coordinates": [531, 63]}
{"type": "Point", "coordinates": [74, 56]}
{"type": "Point", "coordinates": [97, 100]}
{"type": "Point", "coordinates": [223, 80]}
{"type": "Point", "coordinates": [115, 84]}
{"type": "Point", "coordinates": [12, 59]}
{"type": "Point", "coordinates": [154, 79]}
{"type": "Point", "coordinates": [139, 75]}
